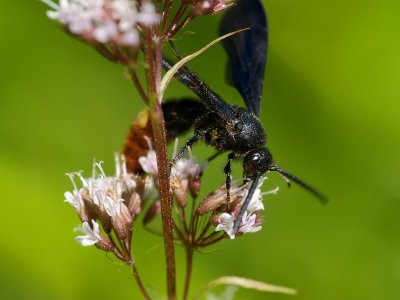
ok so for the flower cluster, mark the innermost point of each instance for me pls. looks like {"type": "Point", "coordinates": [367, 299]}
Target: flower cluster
{"type": "Point", "coordinates": [112, 202]}
{"type": "Point", "coordinates": [104, 21]}
{"type": "Point", "coordinates": [185, 177]}
{"type": "Point", "coordinates": [224, 214]}
{"type": "Point", "coordinates": [185, 181]}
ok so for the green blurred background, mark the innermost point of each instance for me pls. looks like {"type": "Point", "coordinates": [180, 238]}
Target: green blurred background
{"type": "Point", "coordinates": [331, 109]}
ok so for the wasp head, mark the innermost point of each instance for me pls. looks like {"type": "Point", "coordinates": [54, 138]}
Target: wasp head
{"type": "Point", "coordinates": [257, 162]}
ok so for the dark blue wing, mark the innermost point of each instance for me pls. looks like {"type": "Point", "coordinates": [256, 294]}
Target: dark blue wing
{"type": "Point", "coordinates": [247, 50]}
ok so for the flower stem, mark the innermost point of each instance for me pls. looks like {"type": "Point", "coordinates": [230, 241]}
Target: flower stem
{"type": "Point", "coordinates": [189, 263]}
{"type": "Point", "coordinates": [138, 85]}
{"type": "Point", "coordinates": [153, 56]}
{"type": "Point", "coordinates": [139, 282]}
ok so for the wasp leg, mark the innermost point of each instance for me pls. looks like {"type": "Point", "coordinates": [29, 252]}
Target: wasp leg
{"type": "Point", "coordinates": [189, 143]}
{"type": "Point", "coordinates": [212, 157]}
{"type": "Point", "coordinates": [228, 181]}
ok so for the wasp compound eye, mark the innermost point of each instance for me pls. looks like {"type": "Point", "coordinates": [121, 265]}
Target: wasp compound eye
{"type": "Point", "coordinates": [256, 162]}
{"type": "Point", "coordinates": [256, 158]}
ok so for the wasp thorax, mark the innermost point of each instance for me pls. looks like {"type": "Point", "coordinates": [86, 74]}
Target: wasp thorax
{"type": "Point", "coordinates": [257, 162]}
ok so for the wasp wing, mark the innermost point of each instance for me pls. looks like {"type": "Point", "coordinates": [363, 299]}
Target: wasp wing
{"type": "Point", "coordinates": [247, 51]}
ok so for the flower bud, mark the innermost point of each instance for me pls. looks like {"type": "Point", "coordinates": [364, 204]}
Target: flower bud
{"type": "Point", "coordinates": [134, 204]}
{"type": "Point", "coordinates": [211, 202]}
{"type": "Point", "coordinates": [105, 221]}
{"type": "Point", "coordinates": [105, 244]}
{"type": "Point", "coordinates": [207, 7]}
{"type": "Point", "coordinates": [120, 228]}
{"type": "Point", "coordinates": [194, 186]}
{"type": "Point", "coordinates": [179, 188]}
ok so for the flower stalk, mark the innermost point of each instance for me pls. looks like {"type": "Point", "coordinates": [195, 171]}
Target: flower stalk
{"type": "Point", "coordinates": [153, 78]}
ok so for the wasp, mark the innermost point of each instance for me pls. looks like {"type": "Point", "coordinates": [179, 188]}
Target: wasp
{"type": "Point", "coordinates": [225, 127]}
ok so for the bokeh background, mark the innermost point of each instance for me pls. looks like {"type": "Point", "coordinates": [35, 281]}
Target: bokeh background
{"type": "Point", "coordinates": [331, 109]}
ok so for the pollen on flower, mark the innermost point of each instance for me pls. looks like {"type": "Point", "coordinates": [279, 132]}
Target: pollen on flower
{"type": "Point", "coordinates": [104, 21]}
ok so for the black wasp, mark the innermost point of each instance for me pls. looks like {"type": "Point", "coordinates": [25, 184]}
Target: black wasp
{"type": "Point", "coordinates": [229, 128]}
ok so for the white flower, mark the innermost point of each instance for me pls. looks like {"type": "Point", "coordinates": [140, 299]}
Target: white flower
{"type": "Point", "coordinates": [149, 162]}
{"type": "Point", "coordinates": [105, 32]}
{"type": "Point", "coordinates": [91, 237]}
{"type": "Point", "coordinates": [130, 38]}
{"type": "Point", "coordinates": [255, 203]}
{"type": "Point", "coordinates": [148, 15]}
{"type": "Point", "coordinates": [187, 167]}
{"type": "Point", "coordinates": [125, 11]}
{"type": "Point", "coordinates": [74, 198]}
{"type": "Point", "coordinates": [247, 224]}
{"type": "Point", "coordinates": [226, 222]}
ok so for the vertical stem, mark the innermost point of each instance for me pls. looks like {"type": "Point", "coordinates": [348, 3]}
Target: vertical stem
{"type": "Point", "coordinates": [139, 282]}
{"type": "Point", "coordinates": [153, 61]}
{"type": "Point", "coordinates": [189, 263]}
{"type": "Point", "coordinates": [138, 85]}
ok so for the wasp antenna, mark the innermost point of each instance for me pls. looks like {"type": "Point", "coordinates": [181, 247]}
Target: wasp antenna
{"type": "Point", "coordinates": [246, 202]}
{"type": "Point", "coordinates": [286, 179]}
{"type": "Point", "coordinates": [304, 185]}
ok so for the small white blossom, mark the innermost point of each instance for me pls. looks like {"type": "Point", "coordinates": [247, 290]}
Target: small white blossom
{"type": "Point", "coordinates": [74, 198]}
{"type": "Point", "coordinates": [105, 32]}
{"type": "Point", "coordinates": [255, 203]}
{"type": "Point", "coordinates": [248, 222]}
{"type": "Point", "coordinates": [130, 38]}
{"type": "Point", "coordinates": [226, 222]}
{"type": "Point", "coordinates": [91, 237]}
{"type": "Point", "coordinates": [113, 207]}
{"type": "Point", "coordinates": [125, 11]}
{"type": "Point", "coordinates": [148, 15]}
{"type": "Point", "coordinates": [149, 162]}
{"type": "Point", "coordinates": [187, 167]}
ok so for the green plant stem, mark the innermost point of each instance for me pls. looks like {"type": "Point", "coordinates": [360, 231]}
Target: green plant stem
{"type": "Point", "coordinates": [140, 282]}
{"type": "Point", "coordinates": [189, 264]}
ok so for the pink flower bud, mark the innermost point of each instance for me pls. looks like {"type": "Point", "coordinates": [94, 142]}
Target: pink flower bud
{"type": "Point", "coordinates": [211, 202]}
{"type": "Point", "coordinates": [134, 204]}
{"type": "Point", "coordinates": [120, 228]}
{"type": "Point", "coordinates": [105, 244]}
{"type": "Point", "coordinates": [207, 7]}
{"type": "Point", "coordinates": [194, 186]}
